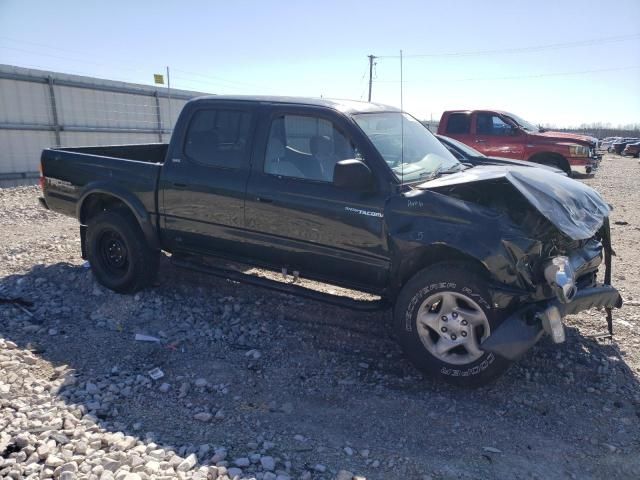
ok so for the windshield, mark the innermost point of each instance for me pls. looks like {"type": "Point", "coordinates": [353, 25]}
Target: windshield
{"type": "Point", "coordinates": [529, 127]}
{"type": "Point", "coordinates": [466, 149]}
{"type": "Point", "coordinates": [419, 156]}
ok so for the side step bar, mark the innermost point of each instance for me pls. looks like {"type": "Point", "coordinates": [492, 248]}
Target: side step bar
{"type": "Point", "coordinates": [297, 290]}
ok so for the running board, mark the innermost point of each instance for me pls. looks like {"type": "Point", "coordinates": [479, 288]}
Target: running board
{"type": "Point", "coordinates": [297, 290]}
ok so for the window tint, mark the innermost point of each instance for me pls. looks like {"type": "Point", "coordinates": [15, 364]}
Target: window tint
{"type": "Point", "coordinates": [459, 123]}
{"type": "Point", "coordinates": [218, 137]}
{"type": "Point", "coordinates": [489, 124]}
{"type": "Point", "coordinates": [306, 147]}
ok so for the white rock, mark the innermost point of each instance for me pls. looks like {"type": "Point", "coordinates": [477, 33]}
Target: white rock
{"type": "Point", "coordinates": [188, 463]}
{"type": "Point", "coordinates": [53, 461]}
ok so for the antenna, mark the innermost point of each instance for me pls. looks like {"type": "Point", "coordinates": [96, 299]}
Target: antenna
{"type": "Point", "coordinates": [401, 125]}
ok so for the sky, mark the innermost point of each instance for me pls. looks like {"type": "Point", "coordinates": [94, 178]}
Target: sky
{"type": "Point", "coordinates": [561, 63]}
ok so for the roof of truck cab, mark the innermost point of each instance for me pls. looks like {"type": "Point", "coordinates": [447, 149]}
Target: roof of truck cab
{"type": "Point", "coordinates": [345, 106]}
{"type": "Point", "coordinates": [502, 112]}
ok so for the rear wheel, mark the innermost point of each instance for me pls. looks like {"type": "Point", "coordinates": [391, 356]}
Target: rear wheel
{"type": "Point", "coordinates": [442, 316]}
{"type": "Point", "coordinates": [118, 252]}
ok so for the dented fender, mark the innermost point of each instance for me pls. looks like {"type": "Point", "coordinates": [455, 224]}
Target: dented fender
{"type": "Point", "coordinates": [427, 224]}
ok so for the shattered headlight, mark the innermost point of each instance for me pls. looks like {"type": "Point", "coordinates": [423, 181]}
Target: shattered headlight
{"type": "Point", "coordinates": [560, 276]}
{"type": "Point", "coordinates": [578, 151]}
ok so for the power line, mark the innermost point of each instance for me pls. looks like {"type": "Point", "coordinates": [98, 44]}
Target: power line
{"type": "Point", "coordinates": [517, 77]}
{"type": "Point", "coordinates": [535, 48]}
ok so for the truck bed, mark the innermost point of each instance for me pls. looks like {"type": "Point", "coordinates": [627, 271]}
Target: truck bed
{"type": "Point", "coordinates": [132, 169]}
{"type": "Point", "coordinates": [146, 152]}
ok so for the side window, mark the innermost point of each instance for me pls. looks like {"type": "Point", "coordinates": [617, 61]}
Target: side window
{"type": "Point", "coordinates": [306, 147]}
{"type": "Point", "coordinates": [459, 123]}
{"type": "Point", "coordinates": [218, 137]}
{"type": "Point", "coordinates": [489, 124]}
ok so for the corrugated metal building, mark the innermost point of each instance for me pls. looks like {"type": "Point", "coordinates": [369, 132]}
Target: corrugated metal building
{"type": "Point", "coordinates": [40, 109]}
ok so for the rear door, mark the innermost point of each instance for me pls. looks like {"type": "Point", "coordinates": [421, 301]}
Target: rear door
{"type": "Point", "coordinates": [298, 219]}
{"type": "Point", "coordinates": [203, 182]}
{"type": "Point", "coordinates": [495, 136]}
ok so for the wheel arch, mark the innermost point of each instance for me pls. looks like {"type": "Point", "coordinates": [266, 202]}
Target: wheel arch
{"type": "Point", "coordinates": [100, 197]}
{"type": "Point", "coordinates": [430, 255]}
{"type": "Point", "coordinates": [544, 157]}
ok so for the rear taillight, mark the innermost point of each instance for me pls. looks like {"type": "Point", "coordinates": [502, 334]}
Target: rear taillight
{"type": "Point", "coordinates": [41, 177]}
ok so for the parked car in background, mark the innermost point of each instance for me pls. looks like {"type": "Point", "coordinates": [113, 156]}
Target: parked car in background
{"type": "Point", "coordinates": [470, 155]}
{"type": "Point", "coordinates": [501, 134]}
{"type": "Point", "coordinates": [605, 143]}
{"type": "Point", "coordinates": [478, 263]}
{"type": "Point", "coordinates": [620, 145]}
{"type": "Point", "coordinates": [632, 149]}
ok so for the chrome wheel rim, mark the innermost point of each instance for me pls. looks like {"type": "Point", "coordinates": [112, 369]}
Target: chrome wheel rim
{"type": "Point", "coordinates": [451, 327]}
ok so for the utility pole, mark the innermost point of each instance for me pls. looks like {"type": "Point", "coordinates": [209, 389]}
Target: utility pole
{"type": "Point", "coordinates": [371, 59]}
{"type": "Point", "coordinates": [169, 99]}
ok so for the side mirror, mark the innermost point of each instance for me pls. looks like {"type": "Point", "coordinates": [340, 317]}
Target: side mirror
{"type": "Point", "coordinates": [352, 174]}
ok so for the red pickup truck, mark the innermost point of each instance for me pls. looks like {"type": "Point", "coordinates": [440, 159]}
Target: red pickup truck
{"type": "Point", "coordinates": [501, 134]}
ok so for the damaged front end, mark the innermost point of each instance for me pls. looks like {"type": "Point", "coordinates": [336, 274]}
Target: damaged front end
{"type": "Point", "coordinates": [573, 282]}
{"type": "Point", "coordinates": [542, 239]}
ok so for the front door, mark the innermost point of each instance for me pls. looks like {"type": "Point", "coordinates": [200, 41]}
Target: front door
{"type": "Point", "coordinates": [298, 218]}
{"type": "Point", "coordinates": [496, 137]}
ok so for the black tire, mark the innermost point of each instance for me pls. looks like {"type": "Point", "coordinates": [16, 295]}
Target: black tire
{"type": "Point", "coordinates": [462, 282]}
{"type": "Point", "coordinates": [118, 253]}
{"type": "Point", "coordinates": [551, 161]}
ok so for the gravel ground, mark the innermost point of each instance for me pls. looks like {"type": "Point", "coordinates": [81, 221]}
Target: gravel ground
{"type": "Point", "coordinates": [266, 386]}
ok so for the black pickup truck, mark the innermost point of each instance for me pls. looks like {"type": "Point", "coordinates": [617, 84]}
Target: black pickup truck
{"type": "Point", "coordinates": [477, 263]}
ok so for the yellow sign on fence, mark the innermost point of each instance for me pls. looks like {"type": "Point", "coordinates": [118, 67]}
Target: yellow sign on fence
{"type": "Point", "coordinates": [157, 78]}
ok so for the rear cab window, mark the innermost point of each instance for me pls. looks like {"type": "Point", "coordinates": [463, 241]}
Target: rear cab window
{"type": "Point", "coordinates": [219, 137]}
{"type": "Point", "coordinates": [459, 124]}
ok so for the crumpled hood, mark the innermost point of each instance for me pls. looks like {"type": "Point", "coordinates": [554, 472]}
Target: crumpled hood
{"type": "Point", "coordinates": [569, 136]}
{"type": "Point", "coordinates": [572, 207]}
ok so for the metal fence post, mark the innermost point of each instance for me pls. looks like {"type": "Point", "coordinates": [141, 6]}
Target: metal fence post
{"type": "Point", "coordinates": [158, 116]}
{"type": "Point", "coordinates": [54, 111]}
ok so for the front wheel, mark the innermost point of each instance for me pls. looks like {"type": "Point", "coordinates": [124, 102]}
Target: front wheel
{"type": "Point", "coordinates": [442, 316]}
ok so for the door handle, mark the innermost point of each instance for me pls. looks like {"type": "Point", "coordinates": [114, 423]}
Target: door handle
{"type": "Point", "coordinates": [264, 200]}
{"type": "Point", "coordinates": [480, 141]}
{"type": "Point", "coordinates": [180, 185]}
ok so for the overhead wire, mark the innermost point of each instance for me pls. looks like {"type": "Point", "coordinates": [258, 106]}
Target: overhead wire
{"type": "Point", "coordinates": [516, 77]}
{"type": "Point", "coordinates": [533, 48]}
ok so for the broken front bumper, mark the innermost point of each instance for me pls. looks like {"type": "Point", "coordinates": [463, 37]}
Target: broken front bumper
{"type": "Point", "coordinates": [522, 329]}
{"type": "Point", "coordinates": [586, 167]}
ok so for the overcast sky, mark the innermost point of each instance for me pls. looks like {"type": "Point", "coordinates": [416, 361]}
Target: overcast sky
{"type": "Point", "coordinates": [549, 61]}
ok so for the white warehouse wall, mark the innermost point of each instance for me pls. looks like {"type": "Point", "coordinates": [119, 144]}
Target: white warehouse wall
{"type": "Point", "coordinates": [90, 111]}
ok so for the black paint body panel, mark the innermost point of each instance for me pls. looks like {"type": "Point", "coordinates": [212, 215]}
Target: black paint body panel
{"type": "Point", "coordinates": [370, 240]}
